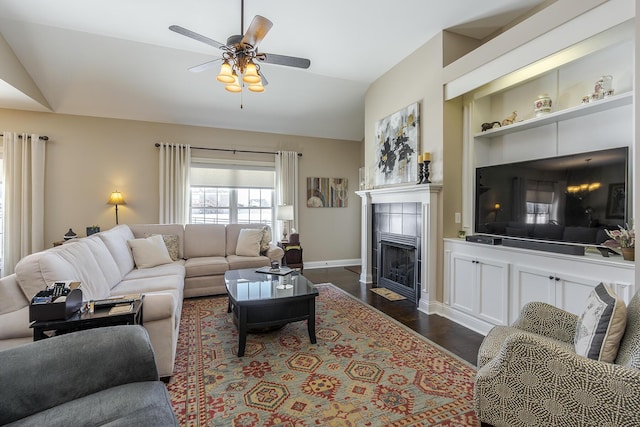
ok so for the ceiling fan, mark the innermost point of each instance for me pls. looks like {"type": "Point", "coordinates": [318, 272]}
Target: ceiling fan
{"type": "Point", "coordinates": [240, 56]}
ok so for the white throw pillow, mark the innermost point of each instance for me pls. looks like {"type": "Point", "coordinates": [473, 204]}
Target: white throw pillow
{"type": "Point", "coordinates": [150, 251]}
{"type": "Point", "coordinates": [249, 242]}
{"type": "Point", "coordinates": [601, 325]}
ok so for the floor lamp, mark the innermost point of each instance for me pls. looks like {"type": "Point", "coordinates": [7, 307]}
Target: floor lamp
{"type": "Point", "coordinates": [116, 199]}
{"type": "Point", "coordinates": [285, 214]}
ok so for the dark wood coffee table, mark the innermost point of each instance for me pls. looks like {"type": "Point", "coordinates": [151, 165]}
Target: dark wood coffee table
{"type": "Point", "coordinates": [261, 301]}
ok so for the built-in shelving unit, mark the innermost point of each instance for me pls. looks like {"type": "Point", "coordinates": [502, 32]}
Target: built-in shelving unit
{"type": "Point", "coordinates": [558, 116]}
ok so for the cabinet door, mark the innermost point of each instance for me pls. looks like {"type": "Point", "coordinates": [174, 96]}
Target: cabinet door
{"type": "Point", "coordinates": [530, 284]}
{"type": "Point", "coordinates": [493, 291]}
{"type": "Point", "coordinates": [572, 292]}
{"type": "Point", "coordinates": [462, 288]}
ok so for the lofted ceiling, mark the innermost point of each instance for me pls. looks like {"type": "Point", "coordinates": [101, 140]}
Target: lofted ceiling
{"type": "Point", "coordinates": [117, 58]}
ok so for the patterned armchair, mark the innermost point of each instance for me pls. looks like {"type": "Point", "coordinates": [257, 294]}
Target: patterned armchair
{"type": "Point", "coordinates": [530, 375]}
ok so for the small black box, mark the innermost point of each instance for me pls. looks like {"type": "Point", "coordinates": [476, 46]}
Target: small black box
{"type": "Point", "coordinates": [483, 238]}
{"type": "Point", "coordinates": [54, 310]}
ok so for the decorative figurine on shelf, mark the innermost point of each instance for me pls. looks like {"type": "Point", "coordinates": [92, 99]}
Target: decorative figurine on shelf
{"type": "Point", "coordinates": [489, 125]}
{"type": "Point", "coordinates": [70, 235]}
{"type": "Point", "coordinates": [510, 119]}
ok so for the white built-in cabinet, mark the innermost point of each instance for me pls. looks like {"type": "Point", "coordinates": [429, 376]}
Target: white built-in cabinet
{"type": "Point", "coordinates": [479, 287]}
{"type": "Point", "coordinates": [488, 285]}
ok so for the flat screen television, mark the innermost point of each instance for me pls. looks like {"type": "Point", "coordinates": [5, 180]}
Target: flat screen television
{"type": "Point", "coordinates": [569, 198]}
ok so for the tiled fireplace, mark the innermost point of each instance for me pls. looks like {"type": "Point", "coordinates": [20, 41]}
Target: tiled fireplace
{"type": "Point", "coordinates": [409, 215]}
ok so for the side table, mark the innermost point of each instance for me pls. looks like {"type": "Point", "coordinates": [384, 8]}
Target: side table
{"type": "Point", "coordinates": [86, 320]}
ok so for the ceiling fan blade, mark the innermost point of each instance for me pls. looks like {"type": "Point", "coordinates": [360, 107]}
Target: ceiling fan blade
{"type": "Point", "coordinates": [259, 28]}
{"type": "Point", "coordinates": [264, 79]}
{"type": "Point", "coordinates": [289, 61]}
{"type": "Point", "coordinates": [205, 66]}
{"type": "Point", "coordinates": [199, 37]}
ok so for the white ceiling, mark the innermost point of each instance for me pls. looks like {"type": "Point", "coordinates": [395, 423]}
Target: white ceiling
{"type": "Point", "coordinates": [117, 58]}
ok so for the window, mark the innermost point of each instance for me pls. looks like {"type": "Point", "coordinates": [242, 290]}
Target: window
{"type": "Point", "coordinates": [539, 199]}
{"type": "Point", "coordinates": [231, 194]}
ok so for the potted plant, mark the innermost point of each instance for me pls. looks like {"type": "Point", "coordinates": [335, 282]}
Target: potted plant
{"type": "Point", "coordinates": [625, 239]}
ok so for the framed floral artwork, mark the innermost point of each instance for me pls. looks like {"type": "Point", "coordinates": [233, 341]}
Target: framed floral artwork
{"type": "Point", "coordinates": [397, 147]}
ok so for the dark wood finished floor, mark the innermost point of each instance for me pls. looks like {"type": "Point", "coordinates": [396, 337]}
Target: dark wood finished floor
{"type": "Point", "coordinates": [450, 335]}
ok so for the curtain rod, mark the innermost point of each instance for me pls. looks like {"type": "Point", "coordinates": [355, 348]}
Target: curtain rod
{"type": "Point", "coordinates": [43, 137]}
{"type": "Point", "coordinates": [233, 151]}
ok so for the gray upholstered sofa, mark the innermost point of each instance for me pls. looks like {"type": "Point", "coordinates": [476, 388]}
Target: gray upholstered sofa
{"type": "Point", "coordinates": [105, 265]}
{"type": "Point", "coordinates": [106, 376]}
{"type": "Point", "coordinates": [530, 375]}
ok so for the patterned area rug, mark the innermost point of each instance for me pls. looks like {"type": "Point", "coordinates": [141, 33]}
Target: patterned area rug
{"type": "Point", "coordinates": [366, 370]}
{"type": "Point", "coordinates": [388, 294]}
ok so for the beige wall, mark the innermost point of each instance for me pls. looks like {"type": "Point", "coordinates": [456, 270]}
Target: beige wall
{"type": "Point", "coordinates": [88, 158]}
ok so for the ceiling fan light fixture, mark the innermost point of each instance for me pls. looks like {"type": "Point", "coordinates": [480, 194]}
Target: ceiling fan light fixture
{"type": "Point", "coordinates": [251, 74]}
{"type": "Point", "coordinates": [225, 75]}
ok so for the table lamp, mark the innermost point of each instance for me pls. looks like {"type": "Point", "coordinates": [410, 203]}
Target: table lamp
{"type": "Point", "coordinates": [284, 214]}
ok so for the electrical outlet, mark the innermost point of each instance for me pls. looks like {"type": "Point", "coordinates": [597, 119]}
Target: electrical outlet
{"type": "Point", "coordinates": [458, 217]}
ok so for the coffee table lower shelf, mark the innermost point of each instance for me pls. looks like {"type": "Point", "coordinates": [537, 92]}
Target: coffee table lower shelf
{"type": "Point", "coordinates": [261, 315]}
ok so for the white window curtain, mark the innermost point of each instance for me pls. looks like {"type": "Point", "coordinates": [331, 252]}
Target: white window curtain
{"type": "Point", "coordinates": [287, 186]}
{"type": "Point", "coordinates": [175, 164]}
{"type": "Point", "coordinates": [24, 160]}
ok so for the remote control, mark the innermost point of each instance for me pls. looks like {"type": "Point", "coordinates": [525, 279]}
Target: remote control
{"type": "Point", "coordinates": [59, 289]}
{"type": "Point", "coordinates": [110, 302]}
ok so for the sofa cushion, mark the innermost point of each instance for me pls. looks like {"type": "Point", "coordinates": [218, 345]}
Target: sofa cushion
{"type": "Point", "coordinates": [249, 242]}
{"type": "Point", "coordinates": [204, 240]}
{"type": "Point", "coordinates": [601, 325]}
{"type": "Point", "coordinates": [150, 251]}
{"type": "Point", "coordinates": [146, 230]}
{"type": "Point", "coordinates": [107, 264]}
{"type": "Point", "coordinates": [205, 266]}
{"type": "Point", "coordinates": [174, 268]}
{"type": "Point", "coordinates": [116, 241]}
{"type": "Point", "coordinates": [11, 296]}
{"type": "Point", "coordinates": [237, 262]}
{"type": "Point", "coordinates": [233, 231]}
{"type": "Point", "coordinates": [72, 261]}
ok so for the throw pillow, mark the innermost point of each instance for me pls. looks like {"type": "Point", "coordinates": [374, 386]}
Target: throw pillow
{"type": "Point", "coordinates": [601, 325]}
{"type": "Point", "coordinates": [249, 242]}
{"type": "Point", "coordinates": [266, 239]}
{"type": "Point", "coordinates": [149, 252]}
{"type": "Point", "coordinates": [171, 242]}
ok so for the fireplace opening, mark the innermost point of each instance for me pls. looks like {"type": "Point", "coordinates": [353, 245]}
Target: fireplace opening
{"type": "Point", "coordinates": [398, 264]}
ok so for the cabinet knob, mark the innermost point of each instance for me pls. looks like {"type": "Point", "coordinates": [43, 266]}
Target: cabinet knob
{"type": "Point", "coordinates": [557, 279]}
{"type": "Point", "coordinates": [551, 277]}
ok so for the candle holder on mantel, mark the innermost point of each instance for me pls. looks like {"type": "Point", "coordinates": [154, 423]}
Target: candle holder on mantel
{"type": "Point", "coordinates": [425, 173]}
{"type": "Point", "coordinates": [420, 173]}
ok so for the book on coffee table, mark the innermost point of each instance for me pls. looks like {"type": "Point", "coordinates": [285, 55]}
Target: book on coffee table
{"type": "Point", "coordinates": [282, 271]}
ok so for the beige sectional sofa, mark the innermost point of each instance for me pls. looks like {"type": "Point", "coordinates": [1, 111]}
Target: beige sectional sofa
{"type": "Point", "coordinates": [105, 265]}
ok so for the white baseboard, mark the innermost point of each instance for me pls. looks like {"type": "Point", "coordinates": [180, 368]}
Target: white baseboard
{"type": "Point", "coordinates": [466, 320]}
{"type": "Point", "coordinates": [331, 263]}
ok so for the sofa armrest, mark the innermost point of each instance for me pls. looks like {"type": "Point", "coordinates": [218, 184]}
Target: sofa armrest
{"type": "Point", "coordinates": [547, 320]}
{"type": "Point", "coordinates": [275, 253]}
{"type": "Point", "coordinates": [43, 374]}
{"type": "Point", "coordinates": [545, 383]}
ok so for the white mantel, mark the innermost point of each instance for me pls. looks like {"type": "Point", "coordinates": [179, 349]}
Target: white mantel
{"type": "Point", "coordinates": [427, 195]}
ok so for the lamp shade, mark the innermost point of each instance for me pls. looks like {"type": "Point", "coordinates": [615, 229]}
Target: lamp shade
{"type": "Point", "coordinates": [225, 75]}
{"type": "Point", "coordinates": [256, 87]}
{"type": "Point", "coordinates": [285, 212]}
{"type": "Point", "coordinates": [235, 86]}
{"type": "Point", "coordinates": [251, 74]}
{"type": "Point", "coordinates": [116, 199]}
